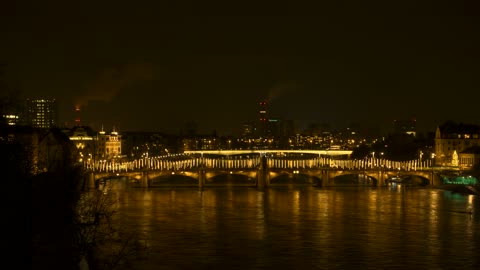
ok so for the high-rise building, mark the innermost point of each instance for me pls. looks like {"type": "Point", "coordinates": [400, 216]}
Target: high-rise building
{"type": "Point", "coordinates": [41, 113]}
{"type": "Point", "coordinates": [262, 128]}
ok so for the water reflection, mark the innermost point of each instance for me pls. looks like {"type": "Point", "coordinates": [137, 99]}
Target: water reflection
{"type": "Point", "coordinates": [302, 227]}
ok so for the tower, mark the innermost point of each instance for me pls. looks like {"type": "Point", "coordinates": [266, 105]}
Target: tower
{"type": "Point", "coordinates": [262, 128]}
{"type": "Point", "coordinates": [78, 121]}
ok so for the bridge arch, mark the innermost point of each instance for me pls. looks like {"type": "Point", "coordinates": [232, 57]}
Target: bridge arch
{"type": "Point", "coordinates": [231, 177]}
{"type": "Point", "coordinates": [408, 179]}
{"type": "Point", "coordinates": [295, 177]}
{"type": "Point", "coordinates": [354, 179]}
{"type": "Point", "coordinates": [126, 180]}
{"type": "Point", "coordinates": [168, 179]}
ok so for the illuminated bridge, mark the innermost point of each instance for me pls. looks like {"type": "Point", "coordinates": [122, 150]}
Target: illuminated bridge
{"type": "Point", "coordinates": [261, 168]}
{"type": "Point", "coordinates": [246, 152]}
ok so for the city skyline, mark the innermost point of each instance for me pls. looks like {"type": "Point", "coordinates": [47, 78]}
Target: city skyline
{"type": "Point", "coordinates": [158, 66]}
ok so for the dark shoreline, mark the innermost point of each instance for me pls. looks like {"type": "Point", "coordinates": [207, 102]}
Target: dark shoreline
{"type": "Point", "coordinates": [458, 188]}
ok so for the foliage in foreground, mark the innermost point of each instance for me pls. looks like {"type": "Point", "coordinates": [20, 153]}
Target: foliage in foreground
{"type": "Point", "coordinates": [74, 227]}
{"type": "Point", "coordinates": [57, 224]}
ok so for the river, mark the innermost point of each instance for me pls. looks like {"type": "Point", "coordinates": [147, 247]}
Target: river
{"type": "Point", "coordinates": [301, 227]}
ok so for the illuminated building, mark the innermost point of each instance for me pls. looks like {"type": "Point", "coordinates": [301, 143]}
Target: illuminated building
{"type": "Point", "coordinates": [11, 119]}
{"type": "Point", "coordinates": [452, 137]}
{"type": "Point", "coordinates": [102, 145]}
{"type": "Point", "coordinates": [108, 145]}
{"type": "Point", "coordinates": [469, 157]}
{"type": "Point", "coordinates": [83, 140]}
{"type": "Point", "coordinates": [201, 142]}
{"type": "Point", "coordinates": [41, 113]}
{"type": "Point", "coordinates": [10, 111]}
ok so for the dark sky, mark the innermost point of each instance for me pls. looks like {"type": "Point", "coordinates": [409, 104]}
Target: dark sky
{"type": "Point", "coordinates": [155, 65]}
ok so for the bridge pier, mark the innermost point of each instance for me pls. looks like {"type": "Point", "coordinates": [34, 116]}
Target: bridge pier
{"type": "Point", "coordinates": [263, 179]}
{"type": "Point", "coordinates": [263, 174]}
{"type": "Point", "coordinates": [90, 180]}
{"type": "Point", "coordinates": [435, 180]}
{"type": "Point", "coordinates": [324, 178]}
{"type": "Point", "coordinates": [202, 175]}
{"type": "Point", "coordinates": [330, 178]}
{"type": "Point", "coordinates": [144, 180]}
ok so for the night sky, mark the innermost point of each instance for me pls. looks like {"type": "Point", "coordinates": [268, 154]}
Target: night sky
{"type": "Point", "coordinates": [156, 65]}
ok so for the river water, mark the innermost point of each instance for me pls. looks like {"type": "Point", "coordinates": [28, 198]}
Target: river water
{"type": "Point", "coordinates": [301, 227]}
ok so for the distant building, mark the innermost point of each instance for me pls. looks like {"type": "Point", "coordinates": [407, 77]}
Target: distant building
{"type": "Point", "coordinates": [54, 151]}
{"type": "Point", "coordinates": [44, 150]}
{"type": "Point", "coordinates": [248, 130]}
{"type": "Point", "coordinates": [11, 119]}
{"type": "Point", "coordinates": [275, 127]}
{"type": "Point", "coordinates": [146, 143]}
{"type": "Point", "coordinates": [262, 126]}
{"type": "Point", "coordinates": [90, 145]}
{"type": "Point", "coordinates": [201, 142]}
{"type": "Point", "coordinates": [108, 145]}
{"type": "Point", "coordinates": [11, 109]}
{"type": "Point", "coordinates": [83, 139]}
{"type": "Point", "coordinates": [405, 127]}
{"type": "Point", "coordinates": [41, 113]}
{"type": "Point", "coordinates": [451, 137]}
{"type": "Point", "coordinates": [349, 138]}
{"type": "Point", "coordinates": [469, 157]}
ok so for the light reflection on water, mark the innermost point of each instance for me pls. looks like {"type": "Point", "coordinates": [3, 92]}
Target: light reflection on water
{"type": "Point", "coordinates": [302, 227]}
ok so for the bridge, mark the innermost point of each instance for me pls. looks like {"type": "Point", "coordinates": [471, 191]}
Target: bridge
{"type": "Point", "coordinates": [261, 168]}
{"type": "Point", "coordinates": [267, 151]}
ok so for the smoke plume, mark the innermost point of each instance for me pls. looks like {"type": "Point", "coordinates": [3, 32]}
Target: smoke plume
{"type": "Point", "coordinates": [110, 81]}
